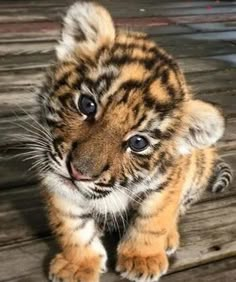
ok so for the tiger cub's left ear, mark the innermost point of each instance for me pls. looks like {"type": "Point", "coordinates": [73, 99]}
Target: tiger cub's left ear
{"type": "Point", "coordinates": [86, 27]}
{"type": "Point", "coordinates": [203, 125]}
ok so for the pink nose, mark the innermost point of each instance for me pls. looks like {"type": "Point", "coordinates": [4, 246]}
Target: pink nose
{"type": "Point", "coordinates": [77, 175]}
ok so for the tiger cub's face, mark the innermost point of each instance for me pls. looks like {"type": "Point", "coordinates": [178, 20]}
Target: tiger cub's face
{"type": "Point", "coordinates": [116, 110]}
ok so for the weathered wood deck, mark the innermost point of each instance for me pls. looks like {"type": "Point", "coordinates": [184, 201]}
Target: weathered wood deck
{"type": "Point", "coordinates": [202, 36]}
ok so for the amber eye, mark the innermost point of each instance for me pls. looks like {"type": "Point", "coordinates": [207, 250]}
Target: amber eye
{"type": "Point", "coordinates": [138, 143]}
{"type": "Point", "coordinates": [87, 105]}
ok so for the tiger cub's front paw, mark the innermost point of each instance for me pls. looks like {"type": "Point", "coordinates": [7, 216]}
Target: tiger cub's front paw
{"type": "Point", "coordinates": [137, 267]}
{"type": "Point", "coordinates": [63, 270]}
{"type": "Point", "coordinates": [172, 243]}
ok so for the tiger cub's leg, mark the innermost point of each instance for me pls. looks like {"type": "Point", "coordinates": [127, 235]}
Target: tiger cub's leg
{"type": "Point", "coordinates": [210, 173]}
{"type": "Point", "coordinates": [142, 252]}
{"type": "Point", "coordinates": [173, 240]}
{"type": "Point", "coordinates": [83, 256]}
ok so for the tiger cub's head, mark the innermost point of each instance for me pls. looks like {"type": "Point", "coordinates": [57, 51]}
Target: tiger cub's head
{"type": "Point", "coordinates": [116, 109]}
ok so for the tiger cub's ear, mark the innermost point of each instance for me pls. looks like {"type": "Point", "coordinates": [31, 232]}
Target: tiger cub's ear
{"type": "Point", "coordinates": [203, 125]}
{"type": "Point", "coordinates": [86, 27]}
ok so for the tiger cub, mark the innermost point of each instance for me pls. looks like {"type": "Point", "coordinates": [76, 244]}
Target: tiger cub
{"type": "Point", "coordinates": [124, 146]}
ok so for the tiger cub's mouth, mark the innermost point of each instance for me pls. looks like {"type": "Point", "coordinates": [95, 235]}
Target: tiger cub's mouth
{"type": "Point", "coordinates": [87, 187]}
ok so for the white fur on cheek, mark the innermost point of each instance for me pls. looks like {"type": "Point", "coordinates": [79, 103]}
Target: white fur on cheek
{"type": "Point", "coordinates": [184, 147]}
{"type": "Point", "coordinates": [57, 184]}
{"type": "Point", "coordinates": [117, 201]}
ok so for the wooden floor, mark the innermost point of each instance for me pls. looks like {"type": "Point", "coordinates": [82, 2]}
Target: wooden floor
{"type": "Point", "coordinates": [202, 36]}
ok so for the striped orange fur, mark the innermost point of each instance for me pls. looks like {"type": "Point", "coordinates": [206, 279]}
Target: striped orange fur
{"type": "Point", "coordinates": [125, 147]}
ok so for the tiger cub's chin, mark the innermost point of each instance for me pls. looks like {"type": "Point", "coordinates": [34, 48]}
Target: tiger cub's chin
{"type": "Point", "coordinates": [123, 145]}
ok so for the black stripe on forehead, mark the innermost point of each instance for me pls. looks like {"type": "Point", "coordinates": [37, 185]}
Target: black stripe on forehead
{"type": "Point", "coordinates": [139, 122]}
{"type": "Point", "coordinates": [126, 89]}
{"type": "Point", "coordinates": [162, 109]}
{"type": "Point", "coordinates": [61, 82]}
{"type": "Point", "coordinates": [154, 131]}
{"type": "Point", "coordinates": [99, 85]}
{"type": "Point", "coordinates": [104, 81]}
{"type": "Point", "coordinates": [132, 46]}
{"type": "Point", "coordinates": [125, 59]}
{"type": "Point", "coordinates": [150, 51]}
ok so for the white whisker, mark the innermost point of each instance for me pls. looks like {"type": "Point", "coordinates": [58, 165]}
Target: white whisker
{"type": "Point", "coordinates": [43, 129]}
{"type": "Point", "coordinates": [33, 132]}
{"type": "Point", "coordinates": [120, 213]}
{"type": "Point", "coordinates": [114, 216]}
{"type": "Point", "coordinates": [128, 194]}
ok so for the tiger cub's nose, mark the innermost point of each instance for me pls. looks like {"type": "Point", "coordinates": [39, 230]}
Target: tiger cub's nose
{"type": "Point", "coordinates": [76, 174]}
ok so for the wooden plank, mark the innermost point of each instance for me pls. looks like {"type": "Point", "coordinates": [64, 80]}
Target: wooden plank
{"type": "Point", "coordinates": [13, 32]}
{"type": "Point", "coordinates": [189, 65]}
{"type": "Point", "coordinates": [22, 216]}
{"type": "Point", "coordinates": [31, 61]}
{"type": "Point", "coordinates": [169, 29]}
{"type": "Point", "coordinates": [31, 217]}
{"type": "Point", "coordinates": [114, 4]}
{"type": "Point", "coordinates": [22, 78]}
{"type": "Point", "coordinates": [207, 10]}
{"type": "Point", "coordinates": [20, 198]}
{"type": "Point", "coordinates": [17, 100]}
{"type": "Point", "coordinates": [14, 171]}
{"type": "Point", "coordinates": [128, 10]}
{"type": "Point", "coordinates": [221, 35]}
{"type": "Point", "coordinates": [204, 18]}
{"type": "Point", "coordinates": [225, 99]}
{"type": "Point", "coordinates": [29, 47]}
{"type": "Point", "coordinates": [218, 271]}
{"type": "Point", "coordinates": [23, 31]}
{"type": "Point", "coordinates": [190, 48]}
{"type": "Point", "coordinates": [229, 58]}
{"type": "Point", "coordinates": [208, 27]}
{"type": "Point", "coordinates": [14, 128]}
{"type": "Point", "coordinates": [50, 30]}
{"type": "Point", "coordinates": [23, 259]}
{"type": "Point", "coordinates": [212, 81]}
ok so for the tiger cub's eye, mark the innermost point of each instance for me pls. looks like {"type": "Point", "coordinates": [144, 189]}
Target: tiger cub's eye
{"type": "Point", "coordinates": [87, 105]}
{"type": "Point", "coordinates": [138, 143]}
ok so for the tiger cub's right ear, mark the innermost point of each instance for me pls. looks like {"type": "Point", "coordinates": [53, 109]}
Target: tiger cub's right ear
{"type": "Point", "coordinates": [202, 126]}
{"type": "Point", "coordinates": [86, 27]}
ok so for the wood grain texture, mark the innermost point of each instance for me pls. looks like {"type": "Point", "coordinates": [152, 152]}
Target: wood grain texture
{"type": "Point", "coordinates": [218, 271]}
{"type": "Point", "coordinates": [128, 10]}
